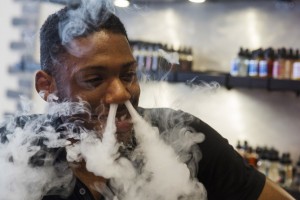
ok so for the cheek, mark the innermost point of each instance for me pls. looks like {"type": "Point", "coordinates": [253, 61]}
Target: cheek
{"type": "Point", "coordinates": [64, 90]}
{"type": "Point", "coordinates": [94, 98]}
{"type": "Point", "coordinates": [134, 90]}
{"type": "Point", "coordinates": [64, 86]}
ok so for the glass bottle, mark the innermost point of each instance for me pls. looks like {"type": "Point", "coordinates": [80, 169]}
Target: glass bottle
{"type": "Point", "coordinates": [273, 172]}
{"type": "Point", "coordinates": [296, 179]}
{"type": "Point", "coordinates": [296, 67]}
{"type": "Point", "coordinates": [263, 163]}
{"type": "Point", "coordinates": [279, 64]}
{"type": "Point", "coordinates": [235, 64]}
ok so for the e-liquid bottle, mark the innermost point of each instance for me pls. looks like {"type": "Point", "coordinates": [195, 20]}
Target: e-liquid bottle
{"type": "Point", "coordinates": [253, 64]}
{"type": "Point", "coordinates": [296, 179]}
{"type": "Point", "coordinates": [266, 65]}
{"type": "Point", "coordinates": [263, 163]}
{"type": "Point", "coordinates": [279, 64]}
{"type": "Point", "coordinates": [235, 63]}
{"type": "Point", "coordinates": [288, 66]}
{"type": "Point", "coordinates": [244, 63]}
{"type": "Point", "coordinates": [273, 172]}
{"type": "Point", "coordinates": [296, 67]}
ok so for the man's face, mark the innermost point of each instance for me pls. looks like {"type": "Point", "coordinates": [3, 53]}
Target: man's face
{"type": "Point", "coordinates": [101, 70]}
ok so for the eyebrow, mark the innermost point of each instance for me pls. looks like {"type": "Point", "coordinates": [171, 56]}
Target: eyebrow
{"type": "Point", "coordinates": [103, 68]}
{"type": "Point", "coordinates": [130, 64]}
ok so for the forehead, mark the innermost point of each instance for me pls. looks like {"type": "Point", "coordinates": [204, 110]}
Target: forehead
{"type": "Point", "coordinates": [104, 48]}
{"type": "Point", "coordinates": [103, 42]}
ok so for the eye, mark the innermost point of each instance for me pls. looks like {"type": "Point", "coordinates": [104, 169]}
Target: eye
{"type": "Point", "coordinates": [128, 76]}
{"type": "Point", "coordinates": [93, 81]}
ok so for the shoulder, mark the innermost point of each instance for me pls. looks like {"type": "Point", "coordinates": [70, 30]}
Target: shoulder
{"type": "Point", "coordinates": [10, 123]}
{"type": "Point", "coordinates": [34, 123]}
{"type": "Point", "coordinates": [221, 169]}
{"type": "Point", "coordinates": [169, 117]}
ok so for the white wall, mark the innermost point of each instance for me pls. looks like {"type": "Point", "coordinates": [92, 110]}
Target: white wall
{"type": "Point", "coordinates": [8, 33]}
{"type": "Point", "coordinates": [215, 30]}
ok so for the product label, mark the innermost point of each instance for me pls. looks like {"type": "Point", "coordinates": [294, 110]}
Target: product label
{"type": "Point", "coordinates": [234, 69]}
{"type": "Point", "coordinates": [296, 71]}
{"type": "Point", "coordinates": [263, 68]}
{"type": "Point", "coordinates": [276, 69]}
{"type": "Point", "coordinates": [253, 68]}
{"type": "Point", "coordinates": [243, 68]}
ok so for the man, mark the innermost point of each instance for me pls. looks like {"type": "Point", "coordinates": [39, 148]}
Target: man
{"type": "Point", "coordinates": [97, 67]}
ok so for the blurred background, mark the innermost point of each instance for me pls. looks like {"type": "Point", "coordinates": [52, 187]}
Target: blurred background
{"type": "Point", "coordinates": [247, 51]}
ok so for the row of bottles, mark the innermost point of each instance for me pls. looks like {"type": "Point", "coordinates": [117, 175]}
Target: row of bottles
{"type": "Point", "coordinates": [267, 63]}
{"type": "Point", "coordinates": [278, 168]}
{"type": "Point", "coordinates": [149, 58]}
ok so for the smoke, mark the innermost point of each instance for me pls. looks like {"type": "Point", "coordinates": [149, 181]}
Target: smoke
{"type": "Point", "coordinates": [83, 19]}
{"type": "Point", "coordinates": [166, 176]}
{"type": "Point", "coordinates": [156, 169]}
{"type": "Point", "coordinates": [35, 150]}
{"type": "Point", "coordinates": [102, 155]}
{"type": "Point", "coordinates": [172, 58]}
{"type": "Point", "coordinates": [32, 154]}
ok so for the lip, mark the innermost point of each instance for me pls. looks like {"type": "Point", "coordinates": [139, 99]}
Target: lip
{"type": "Point", "coordinates": [123, 121]}
{"type": "Point", "coordinates": [124, 126]}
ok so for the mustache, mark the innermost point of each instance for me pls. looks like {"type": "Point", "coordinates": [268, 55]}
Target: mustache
{"type": "Point", "coordinates": [102, 110]}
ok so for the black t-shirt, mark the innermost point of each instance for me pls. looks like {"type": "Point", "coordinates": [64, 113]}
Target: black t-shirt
{"type": "Point", "coordinates": [221, 169]}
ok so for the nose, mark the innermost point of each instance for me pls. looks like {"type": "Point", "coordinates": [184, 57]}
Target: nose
{"type": "Point", "coordinates": [116, 92]}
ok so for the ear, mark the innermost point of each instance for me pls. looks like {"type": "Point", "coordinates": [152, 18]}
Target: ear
{"type": "Point", "coordinates": [44, 84]}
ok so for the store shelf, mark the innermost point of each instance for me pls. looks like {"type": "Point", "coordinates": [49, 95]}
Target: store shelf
{"type": "Point", "coordinates": [196, 77]}
{"type": "Point", "coordinates": [284, 85]}
{"type": "Point", "coordinates": [228, 81]}
{"type": "Point", "coordinates": [247, 82]}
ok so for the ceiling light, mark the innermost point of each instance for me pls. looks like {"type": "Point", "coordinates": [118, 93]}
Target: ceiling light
{"type": "Point", "coordinates": [197, 1]}
{"type": "Point", "coordinates": [121, 3]}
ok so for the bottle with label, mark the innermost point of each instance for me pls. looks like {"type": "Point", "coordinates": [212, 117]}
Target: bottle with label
{"type": "Point", "coordinates": [181, 57]}
{"type": "Point", "coordinates": [190, 59]}
{"type": "Point", "coordinates": [266, 65]}
{"type": "Point", "coordinates": [253, 64]}
{"type": "Point", "coordinates": [258, 56]}
{"type": "Point", "coordinates": [270, 62]}
{"type": "Point", "coordinates": [288, 171]}
{"type": "Point", "coordinates": [251, 157]}
{"type": "Point", "coordinates": [235, 64]}
{"type": "Point", "coordinates": [282, 169]}
{"type": "Point", "coordinates": [155, 58]}
{"type": "Point", "coordinates": [296, 179]}
{"type": "Point", "coordinates": [273, 172]}
{"type": "Point", "coordinates": [279, 64]}
{"type": "Point", "coordinates": [148, 57]}
{"type": "Point", "coordinates": [244, 63]}
{"type": "Point", "coordinates": [288, 64]}
{"type": "Point", "coordinates": [263, 163]}
{"type": "Point", "coordinates": [184, 65]}
{"type": "Point", "coordinates": [141, 57]}
{"type": "Point", "coordinates": [296, 67]}
{"type": "Point", "coordinates": [163, 63]}
{"type": "Point", "coordinates": [263, 66]}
